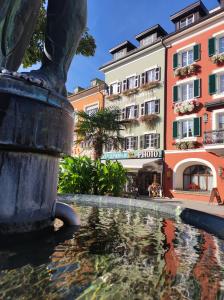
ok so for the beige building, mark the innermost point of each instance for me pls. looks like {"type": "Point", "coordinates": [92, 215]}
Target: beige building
{"type": "Point", "coordinates": [135, 79]}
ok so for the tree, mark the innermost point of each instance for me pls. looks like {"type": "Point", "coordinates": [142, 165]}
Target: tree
{"type": "Point", "coordinates": [33, 54]}
{"type": "Point", "coordinates": [99, 129]}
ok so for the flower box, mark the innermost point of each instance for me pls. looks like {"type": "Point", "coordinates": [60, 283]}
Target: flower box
{"type": "Point", "coordinates": [150, 119]}
{"type": "Point", "coordinates": [130, 121]}
{"type": "Point", "coordinates": [193, 187]}
{"type": "Point", "coordinates": [130, 92]}
{"type": "Point", "coordinates": [150, 85]}
{"type": "Point", "coordinates": [218, 59]}
{"type": "Point", "coordinates": [186, 145]}
{"type": "Point", "coordinates": [113, 97]}
{"type": "Point", "coordinates": [187, 106]}
{"type": "Point", "coordinates": [188, 70]}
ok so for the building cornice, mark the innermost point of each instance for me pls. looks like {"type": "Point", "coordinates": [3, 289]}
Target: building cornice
{"type": "Point", "coordinates": [198, 26]}
{"type": "Point", "coordinates": [132, 55]}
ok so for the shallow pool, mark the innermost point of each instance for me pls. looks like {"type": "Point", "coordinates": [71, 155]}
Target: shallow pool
{"type": "Point", "coordinates": [116, 254]}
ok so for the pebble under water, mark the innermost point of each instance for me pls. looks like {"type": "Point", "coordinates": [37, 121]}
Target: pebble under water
{"type": "Point", "coordinates": [117, 254]}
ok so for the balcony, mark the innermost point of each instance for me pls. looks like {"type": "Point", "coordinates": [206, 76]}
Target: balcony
{"type": "Point", "coordinates": [214, 141]}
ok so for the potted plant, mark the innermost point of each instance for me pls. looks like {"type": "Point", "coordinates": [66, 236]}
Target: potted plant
{"type": "Point", "coordinates": [113, 97]}
{"type": "Point", "coordinates": [130, 92]}
{"type": "Point", "coordinates": [187, 70]}
{"type": "Point", "coordinates": [150, 85]}
{"type": "Point", "coordinates": [218, 59]}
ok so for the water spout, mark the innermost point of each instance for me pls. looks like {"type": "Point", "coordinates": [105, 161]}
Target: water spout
{"type": "Point", "coordinates": [66, 214]}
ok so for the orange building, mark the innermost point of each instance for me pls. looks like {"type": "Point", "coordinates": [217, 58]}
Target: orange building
{"type": "Point", "coordinates": [89, 100]}
{"type": "Point", "coordinates": [194, 162]}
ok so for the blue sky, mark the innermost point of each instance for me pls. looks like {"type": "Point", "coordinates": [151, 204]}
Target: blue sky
{"type": "Point", "coordinates": [113, 21]}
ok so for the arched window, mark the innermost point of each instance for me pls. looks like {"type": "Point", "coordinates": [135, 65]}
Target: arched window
{"type": "Point", "coordinates": [198, 178]}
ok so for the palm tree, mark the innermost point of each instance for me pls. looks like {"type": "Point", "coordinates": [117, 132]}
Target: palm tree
{"type": "Point", "coordinates": [99, 129]}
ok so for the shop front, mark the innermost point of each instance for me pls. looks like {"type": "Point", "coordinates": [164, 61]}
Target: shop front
{"type": "Point", "coordinates": [143, 166]}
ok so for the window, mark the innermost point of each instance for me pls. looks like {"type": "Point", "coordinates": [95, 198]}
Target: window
{"type": "Point", "coordinates": [187, 58]}
{"type": "Point", "coordinates": [152, 75]}
{"type": "Point", "coordinates": [198, 177]}
{"type": "Point", "coordinates": [186, 21]}
{"type": "Point", "coordinates": [186, 91]}
{"type": "Point", "coordinates": [149, 141]}
{"type": "Point", "coordinates": [151, 107]}
{"type": "Point", "coordinates": [91, 110]}
{"type": "Point", "coordinates": [115, 88]}
{"type": "Point", "coordinates": [185, 128]}
{"type": "Point", "coordinates": [221, 45]}
{"type": "Point", "coordinates": [131, 82]}
{"type": "Point", "coordinates": [220, 121]}
{"type": "Point", "coordinates": [130, 112]}
{"type": "Point", "coordinates": [120, 54]}
{"type": "Point", "coordinates": [131, 143]}
{"type": "Point", "coordinates": [148, 40]}
{"type": "Point", "coordinates": [221, 83]}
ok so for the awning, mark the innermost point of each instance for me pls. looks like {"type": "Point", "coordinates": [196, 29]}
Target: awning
{"type": "Point", "coordinates": [137, 164]}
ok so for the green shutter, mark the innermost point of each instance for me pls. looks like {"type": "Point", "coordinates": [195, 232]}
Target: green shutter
{"type": "Point", "coordinates": [197, 52]}
{"type": "Point", "coordinates": [197, 126]}
{"type": "Point", "coordinates": [212, 84]}
{"type": "Point", "coordinates": [175, 93]}
{"type": "Point", "coordinates": [175, 60]}
{"type": "Point", "coordinates": [197, 88]}
{"type": "Point", "coordinates": [175, 129]}
{"type": "Point", "coordinates": [211, 46]}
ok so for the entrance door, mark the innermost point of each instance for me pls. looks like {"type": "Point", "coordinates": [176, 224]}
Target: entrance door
{"type": "Point", "coordinates": [145, 179]}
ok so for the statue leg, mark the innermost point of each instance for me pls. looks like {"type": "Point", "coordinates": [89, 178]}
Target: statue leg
{"type": "Point", "coordinates": [66, 21]}
{"type": "Point", "coordinates": [17, 25]}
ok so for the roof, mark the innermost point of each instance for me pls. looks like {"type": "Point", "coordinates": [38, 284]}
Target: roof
{"type": "Point", "coordinates": [196, 6]}
{"type": "Point", "coordinates": [121, 46]}
{"type": "Point", "coordinates": [151, 30]}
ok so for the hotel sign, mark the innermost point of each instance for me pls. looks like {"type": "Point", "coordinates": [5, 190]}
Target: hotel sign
{"type": "Point", "coordinates": [132, 154]}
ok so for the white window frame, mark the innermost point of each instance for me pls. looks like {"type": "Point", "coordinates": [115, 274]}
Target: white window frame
{"type": "Point", "coordinates": [180, 91]}
{"type": "Point", "coordinates": [150, 101]}
{"type": "Point", "coordinates": [148, 40]}
{"type": "Point", "coordinates": [133, 79]}
{"type": "Point", "coordinates": [215, 114]}
{"type": "Point", "coordinates": [151, 139]}
{"type": "Point", "coordinates": [186, 19]}
{"type": "Point", "coordinates": [218, 38]}
{"type": "Point", "coordinates": [131, 142]}
{"type": "Point", "coordinates": [180, 122]}
{"type": "Point", "coordinates": [120, 54]}
{"type": "Point", "coordinates": [180, 54]}
{"type": "Point", "coordinates": [219, 83]}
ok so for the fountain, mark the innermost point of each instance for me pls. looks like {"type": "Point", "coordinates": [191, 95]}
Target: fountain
{"type": "Point", "coordinates": [36, 119]}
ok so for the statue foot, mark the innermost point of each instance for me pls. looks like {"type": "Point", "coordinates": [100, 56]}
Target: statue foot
{"type": "Point", "coordinates": [50, 82]}
{"type": "Point", "coordinates": [41, 78]}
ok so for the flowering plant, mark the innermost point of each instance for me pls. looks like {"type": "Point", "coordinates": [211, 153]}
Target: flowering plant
{"type": "Point", "coordinates": [186, 145]}
{"type": "Point", "coordinates": [130, 92]}
{"type": "Point", "coordinates": [185, 106]}
{"type": "Point", "coordinates": [217, 59]}
{"type": "Point", "coordinates": [113, 97]}
{"type": "Point", "coordinates": [188, 70]}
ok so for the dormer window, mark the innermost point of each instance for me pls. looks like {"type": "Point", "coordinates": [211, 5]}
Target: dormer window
{"type": "Point", "coordinates": [120, 54]}
{"type": "Point", "coordinates": [148, 40]}
{"type": "Point", "coordinates": [186, 21]}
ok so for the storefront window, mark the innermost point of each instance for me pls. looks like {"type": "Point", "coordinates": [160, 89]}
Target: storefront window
{"type": "Point", "coordinates": [198, 178]}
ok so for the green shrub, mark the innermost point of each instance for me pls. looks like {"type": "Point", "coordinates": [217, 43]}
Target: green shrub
{"type": "Point", "coordinates": [81, 175]}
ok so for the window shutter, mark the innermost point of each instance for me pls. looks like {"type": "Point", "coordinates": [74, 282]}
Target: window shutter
{"type": "Point", "coordinates": [146, 108]}
{"type": "Point", "coordinates": [110, 90]}
{"type": "Point", "coordinates": [137, 81]}
{"type": "Point", "coordinates": [175, 129]}
{"type": "Point", "coordinates": [157, 106]}
{"type": "Point", "coordinates": [157, 74]}
{"type": "Point", "coordinates": [212, 84]}
{"type": "Point", "coordinates": [143, 78]}
{"type": "Point", "coordinates": [197, 88]}
{"type": "Point", "coordinates": [136, 111]}
{"type": "Point", "coordinates": [142, 142]}
{"type": "Point", "coordinates": [197, 126]}
{"type": "Point", "coordinates": [126, 143]}
{"type": "Point", "coordinates": [175, 60]}
{"type": "Point", "coordinates": [197, 52]}
{"type": "Point", "coordinates": [135, 142]}
{"type": "Point", "coordinates": [119, 87]}
{"type": "Point", "coordinates": [211, 46]}
{"type": "Point", "coordinates": [125, 85]}
{"type": "Point", "coordinates": [157, 140]}
{"type": "Point", "coordinates": [142, 109]}
{"type": "Point", "coordinates": [175, 93]}
{"type": "Point", "coordinates": [123, 114]}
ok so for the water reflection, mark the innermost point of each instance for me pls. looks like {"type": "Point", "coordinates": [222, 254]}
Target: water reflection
{"type": "Point", "coordinates": [116, 254]}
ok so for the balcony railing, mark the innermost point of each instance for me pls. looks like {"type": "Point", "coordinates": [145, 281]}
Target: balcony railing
{"type": "Point", "coordinates": [214, 137]}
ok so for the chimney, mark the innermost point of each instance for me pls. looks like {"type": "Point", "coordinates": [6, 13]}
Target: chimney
{"type": "Point", "coordinates": [78, 89]}
{"type": "Point", "coordinates": [221, 2]}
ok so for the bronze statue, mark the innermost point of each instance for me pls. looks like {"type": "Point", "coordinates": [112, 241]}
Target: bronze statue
{"type": "Point", "coordinates": [66, 20]}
